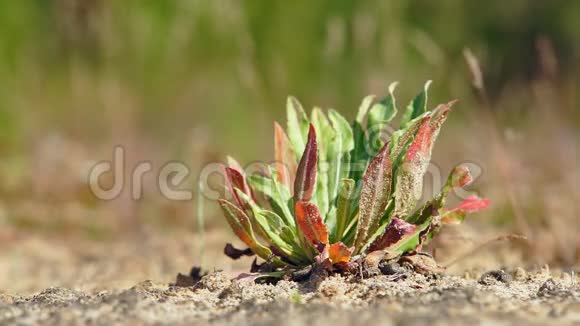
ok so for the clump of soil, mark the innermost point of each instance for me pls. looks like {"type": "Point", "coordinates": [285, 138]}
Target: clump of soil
{"type": "Point", "coordinates": [514, 296]}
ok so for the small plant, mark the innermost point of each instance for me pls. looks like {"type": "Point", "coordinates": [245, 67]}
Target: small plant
{"type": "Point", "coordinates": [338, 193]}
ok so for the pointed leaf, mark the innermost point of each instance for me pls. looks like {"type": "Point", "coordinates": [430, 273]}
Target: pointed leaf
{"type": "Point", "coordinates": [232, 163]}
{"type": "Point", "coordinates": [326, 136]}
{"type": "Point", "coordinates": [252, 212]}
{"type": "Point", "coordinates": [306, 173]}
{"type": "Point", "coordinates": [339, 253]}
{"type": "Point", "coordinates": [338, 153]}
{"type": "Point", "coordinates": [242, 227]}
{"type": "Point", "coordinates": [401, 138]}
{"type": "Point", "coordinates": [360, 153]}
{"type": "Point", "coordinates": [325, 131]}
{"type": "Point", "coordinates": [417, 107]}
{"type": "Point", "coordinates": [235, 180]}
{"type": "Point", "coordinates": [343, 130]}
{"type": "Point", "coordinates": [471, 204]}
{"type": "Point", "coordinates": [409, 184]}
{"type": "Point", "coordinates": [364, 108]}
{"type": "Point", "coordinates": [379, 117]}
{"type": "Point", "coordinates": [343, 206]}
{"type": "Point", "coordinates": [375, 194]}
{"type": "Point", "coordinates": [297, 124]}
{"type": "Point", "coordinates": [385, 110]}
{"type": "Point", "coordinates": [310, 223]}
{"type": "Point", "coordinates": [285, 157]}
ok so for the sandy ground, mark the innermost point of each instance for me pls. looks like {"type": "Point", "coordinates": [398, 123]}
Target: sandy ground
{"type": "Point", "coordinates": [530, 298]}
{"type": "Point", "coordinates": [67, 280]}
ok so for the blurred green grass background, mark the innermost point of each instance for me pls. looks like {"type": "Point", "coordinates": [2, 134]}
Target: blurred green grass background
{"type": "Point", "coordinates": [193, 80]}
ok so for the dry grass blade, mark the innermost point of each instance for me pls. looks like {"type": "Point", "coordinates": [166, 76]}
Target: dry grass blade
{"type": "Point", "coordinates": [502, 157]}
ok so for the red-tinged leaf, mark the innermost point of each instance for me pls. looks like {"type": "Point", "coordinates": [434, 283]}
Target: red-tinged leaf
{"type": "Point", "coordinates": [310, 223]}
{"type": "Point", "coordinates": [471, 204]}
{"type": "Point", "coordinates": [285, 157]}
{"type": "Point", "coordinates": [242, 227]}
{"type": "Point", "coordinates": [396, 231]}
{"type": "Point", "coordinates": [420, 148]}
{"type": "Point", "coordinates": [339, 253]}
{"type": "Point", "coordinates": [232, 163]}
{"type": "Point", "coordinates": [409, 184]}
{"type": "Point", "coordinates": [460, 177]}
{"type": "Point", "coordinates": [420, 144]}
{"type": "Point", "coordinates": [306, 173]}
{"type": "Point", "coordinates": [239, 222]}
{"type": "Point", "coordinates": [375, 194]}
{"type": "Point", "coordinates": [235, 180]}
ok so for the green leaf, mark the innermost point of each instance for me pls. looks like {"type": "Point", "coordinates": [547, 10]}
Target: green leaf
{"type": "Point", "coordinates": [331, 224]}
{"type": "Point", "coordinates": [379, 117]}
{"type": "Point", "coordinates": [417, 106]}
{"type": "Point", "coordinates": [364, 108]}
{"type": "Point", "coordinates": [326, 135]}
{"type": "Point", "coordinates": [324, 130]}
{"type": "Point", "coordinates": [297, 124]}
{"type": "Point", "coordinates": [343, 207]}
{"type": "Point", "coordinates": [276, 193]}
{"type": "Point", "coordinates": [281, 237]}
{"type": "Point", "coordinates": [338, 154]}
{"type": "Point", "coordinates": [343, 130]}
{"type": "Point", "coordinates": [360, 153]}
{"type": "Point", "coordinates": [242, 227]}
{"type": "Point", "coordinates": [275, 228]}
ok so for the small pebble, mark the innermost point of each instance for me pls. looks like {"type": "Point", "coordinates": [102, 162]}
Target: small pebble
{"type": "Point", "coordinates": [390, 268]}
{"type": "Point", "coordinates": [493, 277]}
{"type": "Point", "coordinates": [547, 289]}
